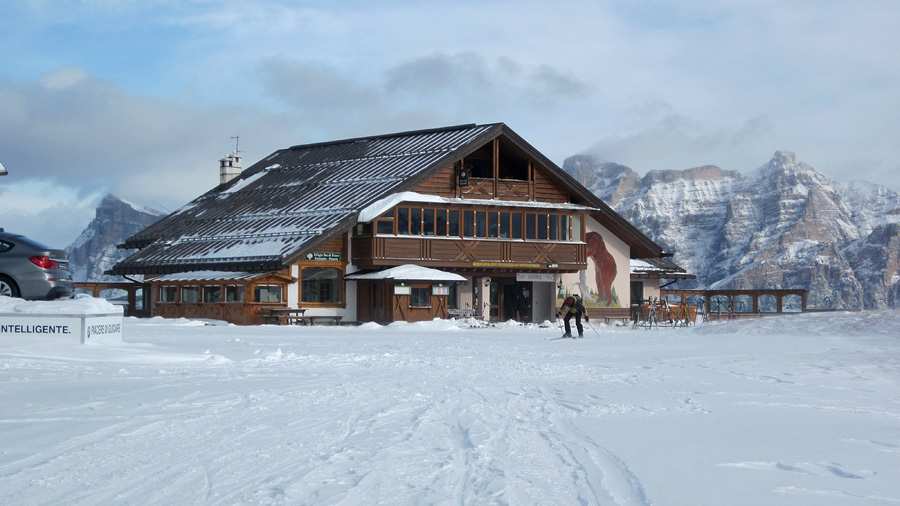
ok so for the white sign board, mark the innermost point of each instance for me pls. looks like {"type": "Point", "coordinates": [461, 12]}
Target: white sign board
{"type": "Point", "coordinates": [440, 290]}
{"type": "Point", "coordinates": [82, 328]}
{"type": "Point", "coordinates": [401, 290]}
{"type": "Point", "coordinates": [538, 277]}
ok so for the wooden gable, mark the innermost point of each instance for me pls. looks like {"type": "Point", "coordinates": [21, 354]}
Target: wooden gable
{"type": "Point", "coordinates": [532, 180]}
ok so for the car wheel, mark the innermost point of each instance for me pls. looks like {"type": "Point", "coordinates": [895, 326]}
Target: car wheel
{"type": "Point", "coordinates": [8, 287]}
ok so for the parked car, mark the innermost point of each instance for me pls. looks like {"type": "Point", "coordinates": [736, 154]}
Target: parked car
{"type": "Point", "coordinates": [30, 270]}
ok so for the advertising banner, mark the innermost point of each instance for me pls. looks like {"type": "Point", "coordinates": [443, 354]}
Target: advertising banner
{"type": "Point", "coordinates": [79, 328]}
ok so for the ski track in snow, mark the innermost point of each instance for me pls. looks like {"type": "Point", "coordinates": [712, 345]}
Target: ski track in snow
{"type": "Point", "coordinates": [741, 413]}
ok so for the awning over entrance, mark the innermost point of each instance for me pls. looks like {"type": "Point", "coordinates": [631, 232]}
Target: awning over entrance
{"type": "Point", "coordinates": [409, 272]}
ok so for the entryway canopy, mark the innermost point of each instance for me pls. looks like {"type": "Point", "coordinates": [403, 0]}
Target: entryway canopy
{"type": "Point", "coordinates": [409, 272]}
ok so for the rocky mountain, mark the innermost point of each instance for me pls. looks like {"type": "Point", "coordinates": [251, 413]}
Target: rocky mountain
{"type": "Point", "coordinates": [94, 251]}
{"type": "Point", "coordinates": [782, 225]}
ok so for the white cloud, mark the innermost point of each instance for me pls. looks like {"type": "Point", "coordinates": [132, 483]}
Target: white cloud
{"type": "Point", "coordinates": [45, 210]}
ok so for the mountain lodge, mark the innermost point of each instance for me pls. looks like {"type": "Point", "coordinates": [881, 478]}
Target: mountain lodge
{"type": "Point", "coordinates": [468, 220]}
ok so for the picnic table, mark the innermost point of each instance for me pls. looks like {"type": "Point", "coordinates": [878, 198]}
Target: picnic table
{"type": "Point", "coordinates": [283, 316]}
{"type": "Point", "coordinates": [296, 316]}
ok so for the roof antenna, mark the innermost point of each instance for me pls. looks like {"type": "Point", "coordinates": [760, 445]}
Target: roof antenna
{"type": "Point", "coordinates": [237, 143]}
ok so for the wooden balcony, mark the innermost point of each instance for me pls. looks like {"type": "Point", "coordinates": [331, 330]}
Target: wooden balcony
{"type": "Point", "coordinates": [372, 252]}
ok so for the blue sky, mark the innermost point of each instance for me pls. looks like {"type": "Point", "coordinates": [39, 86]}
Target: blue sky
{"type": "Point", "coordinates": [140, 97]}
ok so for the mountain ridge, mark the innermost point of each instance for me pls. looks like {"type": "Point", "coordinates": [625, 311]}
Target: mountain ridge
{"type": "Point", "coordinates": [782, 225]}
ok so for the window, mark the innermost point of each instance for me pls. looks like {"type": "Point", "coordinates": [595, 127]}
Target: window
{"type": "Point", "coordinates": [504, 225]}
{"type": "Point", "coordinates": [542, 226]}
{"type": "Point", "coordinates": [454, 222]}
{"type": "Point", "coordinates": [167, 293]}
{"type": "Point", "coordinates": [554, 224]}
{"type": "Point", "coordinates": [480, 229]}
{"type": "Point", "coordinates": [513, 163]}
{"type": "Point", "coordinates": [415, 221]}
{"type": "Point", "coordinates": [493, 228]}
{"type": "Point", "coordinates": [440, 222]}
{"type": "Point", "coordinates": [403, 221]}
{"type": "Point", "coordinates": [420, 297]}
{"type": "Point", "coordinates": [469, 223]}
{"type": "Point", "coordinates": [190, 294]}
{"type": "Point", "coordinates": [234, 294]}
{"type": "Point", "coordinates": [564, 228]}
{"type": "Point", "coordinates": [576, 228]}
{"type": "Point", "coordinates": [428, 222]}
{"type": "Point", "coordinates": [481, 162]}
{"type": "Point", "coordinates": [529, 226]}
{"type": "Point", "coordinates": [516, 225]}
{"type": "Point", "coordinates": [5, 246]}
{"type": "Point", "coordinates": [212, 294]}
{"type": "Point", "coordinates": [386, 223]}
{"type": "Point", "coordinates": [321, 285]}
{"type": "Point", "coordinates": [267, 293]}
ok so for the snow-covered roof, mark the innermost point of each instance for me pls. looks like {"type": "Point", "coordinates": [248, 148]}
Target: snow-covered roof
{"type": "Point", "coordinates": [207, 276]}
{"type": "Point", "coordinates": [410, 272]}
{"type": "Point", "coordinates": [638, 265]}
{"type": "Point", "coordinates": [279, 205]}
{"type": "Point", "coordinates": [659, 266]}
{"type": "Point", "coordinates": [381, 206]}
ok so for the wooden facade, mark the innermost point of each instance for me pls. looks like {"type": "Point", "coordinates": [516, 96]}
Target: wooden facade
{"type": "Point", "coordinates": [486, 205]}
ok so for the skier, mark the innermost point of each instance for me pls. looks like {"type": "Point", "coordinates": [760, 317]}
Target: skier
{"type": "Point", "coordinates": [572, 306]}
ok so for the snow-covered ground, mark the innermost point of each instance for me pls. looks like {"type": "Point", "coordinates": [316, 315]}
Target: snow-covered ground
{"type": "Point", "coordinates": [792, 410]}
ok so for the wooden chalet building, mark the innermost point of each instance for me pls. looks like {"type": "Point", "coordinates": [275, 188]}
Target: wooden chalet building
{"type": "Point", "coordinates": [468, 219]}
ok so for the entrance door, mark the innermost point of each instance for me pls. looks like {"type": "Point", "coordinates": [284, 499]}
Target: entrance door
{"type": "Point", "coordinates": [637, 292]}
{"type": "Point", "coordinates": [510, 300]}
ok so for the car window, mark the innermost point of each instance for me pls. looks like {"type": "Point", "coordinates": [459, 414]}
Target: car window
{"type": "Point", "coordinates": [30, 243]}
{"type": "Point", "coordinates": [5, 246]}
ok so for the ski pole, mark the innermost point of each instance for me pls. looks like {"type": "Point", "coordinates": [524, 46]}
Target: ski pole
{"type": "Point", "coordinates": [594, 329]}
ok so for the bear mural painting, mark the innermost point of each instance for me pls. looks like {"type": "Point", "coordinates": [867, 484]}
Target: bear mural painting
{"type": "Point", "coordinates": [603, 292]}
{"type": "Point", "coordinates": [604, 283]}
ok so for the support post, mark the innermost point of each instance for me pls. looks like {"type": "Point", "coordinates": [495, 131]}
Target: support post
{"type": "Point", "coordinates": [803, 295]}
{"type": "Point", "coordinates": [779, 303]}
{"type": "Point", "coordinates": [755, 302]}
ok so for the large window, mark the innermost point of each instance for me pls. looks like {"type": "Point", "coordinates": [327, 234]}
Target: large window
{"type": "Point", "coordinates": [403, 221]}
{"type": "Point", "coordinates": [212, 294]}
{"type": "Point", "coordinates": [516, 225]}
{"type": "Point", "coordinates": [440, 222]}
{"type": "Point", "coordinates": [168, 294]}
{"type": "Point", "coordinates": [513, 163]}
{"type": "Point", "coordinates": [428, 222]}
{"type": "Point", "coordinates": [190, 294]}
{"type": "Point", "coordinates": [481, 163]}
{"type": "Point", "coordinates": [542, 226]}
{"type": "Point", "coordinates": [490, 222]}
{"type": "Point", "coordinates": [454, 222]}
{"type": "Point", "coordinates": [267, 293]}
{"type": "Point", "coordinates": [386, 223]}
{"type": "Point", "coordinates": [234, 294]}
{"type": "Point", "coordinates": [415, 221]}
{"type": "Point", "coordinates": [321, 285]}
{"type": "Point", "coordinates": [554, 227]}
{"type": "Point", "coordinates": [480, 224]}
{"type": "Point", "coordinates": [469, 223]}
{"type": "Point", "coordinates": [420, 297]}
{"type": "Point", "coordinates": [504, 225]}
{"type": "Point", "coordinates": [529, 226]}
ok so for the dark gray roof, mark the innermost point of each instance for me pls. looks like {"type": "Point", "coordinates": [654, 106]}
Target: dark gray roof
{"type": "Point", "coordinates": [285, 202]}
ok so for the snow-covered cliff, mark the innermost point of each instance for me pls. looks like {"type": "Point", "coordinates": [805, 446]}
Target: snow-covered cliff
{"type": "Point", "coordinates": [94, 251]}
{"type": "Point", "coordinates": [782, 225]}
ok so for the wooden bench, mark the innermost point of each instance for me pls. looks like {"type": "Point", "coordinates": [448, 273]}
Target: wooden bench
{"type": "Point", "coordinates": [311, 320]}
{"type": "Point", "coordinates": [283, 316]}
